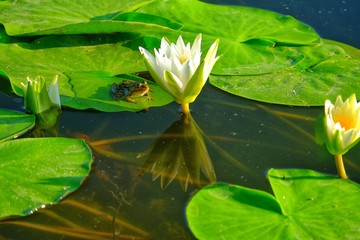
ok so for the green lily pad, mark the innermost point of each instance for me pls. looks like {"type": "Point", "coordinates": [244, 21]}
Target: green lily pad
{"type": "Point", "coordinates": [13, 124]}
{"type": "Point", "coordinates": [93, 91]}
{"type": "Point", "coordinates": [36, 172]}
{"type": "Point", "coordinates": [306, 205]}
{"type": "Point", "coordinates": [73, 53]}
{"type": "Point", "coordinates": [249, 37]}
{"type": "Point", "coordinates": [62, 55]}
{"type": "Point", "coordinates": [124, 22]}
{"type": "Point", "coordinates": [306, 84]}
{"type": "Point", "coordinates": [27, 17]}
{"type": "Point", "coordinates": [240, 24]}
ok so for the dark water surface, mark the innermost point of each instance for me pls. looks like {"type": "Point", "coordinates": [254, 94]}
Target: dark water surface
{"type": "Point", "coordinates": [244, 139]}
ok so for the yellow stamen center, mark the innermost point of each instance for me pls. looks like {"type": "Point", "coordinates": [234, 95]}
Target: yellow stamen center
{"type": "Point", "coordinates": [183, 58]}
{"type": "Point", "coordinates": [345, 122]}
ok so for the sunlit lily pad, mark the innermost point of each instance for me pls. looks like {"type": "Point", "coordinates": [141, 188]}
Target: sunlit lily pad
{"type": "Point", "coordinates": [13, 124]}
{"type": "Point", "coordinates": [306, 205]}
{"type": "Point", "coordinates": [54, 55]}
{"type": "Point", "coordinates": [40, 171]}
{"type": "Point", "coordinates": [305, 84]}
{"type": "Point", "coordinates": [62, 55]}
{"type": "Point", "coordinates": [240, 24]}
{"type": "Point", "coordinates": [28, 17]}
{"type": "Point", "coordinates": [248, 36]}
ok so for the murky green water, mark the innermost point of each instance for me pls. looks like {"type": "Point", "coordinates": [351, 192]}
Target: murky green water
{"type": "Point", "coordinates": [243, 138]}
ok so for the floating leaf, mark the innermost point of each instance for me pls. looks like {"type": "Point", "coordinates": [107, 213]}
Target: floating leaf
{"type": "Point", "coordinates": [306, 205]}
{"type": "Point", "coordinates": [60, 55]}
{"type": "Point", "coordinates": [248, 36]}
{"type": "Point", "coordinates": [13, 124]}
{"type": "Point", "coordinates": [241, 24]}
{"type": "Point", "coordinates": [74, 53]}
{"type": "Point", "coordinates": [36, 172]}
{"type": "Point", "coordinates": [29, 17]}
{"type": "Point", "coordinates": [309, 83]}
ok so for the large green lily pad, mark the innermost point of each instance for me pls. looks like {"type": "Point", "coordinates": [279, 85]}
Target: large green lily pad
{"type": "Point", "coordinates": [309, 83]}
{"type": "Point", "coordinates": [36, 172]}
{"type": "Point", "coordinates": [63, 55]}
{"type": "Point", "coordinates": [28, 17]}
{"type": "Point", "coordinates": [241, 24]}
{"type": "Point", "coordinates": [248, 36]}
{"type": "Point", "coordinates": [13, 124]}
{"type": "Point", "coordinates": [306, 205]}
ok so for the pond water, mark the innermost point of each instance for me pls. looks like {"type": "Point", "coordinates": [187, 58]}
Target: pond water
{"type": "Point", "coordinates": [244, 140]}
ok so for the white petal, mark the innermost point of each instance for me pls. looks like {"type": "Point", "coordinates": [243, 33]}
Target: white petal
{"type": "Point", "coordinates": [196, 48]}
{"type": "Point", "coordinates": [148, 56]}
{"type": "Point", "coordinates": [196, 59]}
{"type": "Point", "coordinates": [210, 59]}
{"type": "Point", "coordinates": [186, 74]}
{"type": "Point", "coordinates": [347, 138]}
{"type": "Point", "coordinates": [152, 61]}
{"type": "Point", "coordinates": [187, 50]}
{"type": "Point", "coordinates": [192, 67]}
{"type": "Point", "coordinates": [180, 43]}
{"type": "Point", "coordinates": [165, 46]}
{"type": "Point", "coordinates": [179, 84]}
{"type": "Point", "coordinates": [162, 61]}
{"type": "Point", "coordinates": [176, 66]}
{"type": "Point", "coordinates": [174, 52]}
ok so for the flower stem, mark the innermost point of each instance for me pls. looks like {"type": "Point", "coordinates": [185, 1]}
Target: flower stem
{"type": "Point", "coordinates": [185, 108]}
{"type": "Point", "coordinates": [340, 166]}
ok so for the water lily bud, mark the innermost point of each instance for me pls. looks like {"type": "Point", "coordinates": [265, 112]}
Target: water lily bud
{"type": "Point", "coordinates": [342, 124]}
{"type": "Point", "coordinates": [178, 68]}
{"type": "Point", "coordinates": [39, 99]}
{"type": "Point", "coordinates": [44, 103]}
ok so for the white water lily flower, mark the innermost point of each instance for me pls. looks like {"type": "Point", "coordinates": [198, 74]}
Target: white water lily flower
{"type": "Point", "coordinates": [178, 68]}
{"type": "Point", "coordinates": [39, 99]}
{"type": "Point", "coordinates": [342, 121]}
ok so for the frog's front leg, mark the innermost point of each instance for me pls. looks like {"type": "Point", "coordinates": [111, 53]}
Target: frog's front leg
{"type": "Point", "coordinates": [129, 99]}
{"type": "Point", "coordinates": [148, 96]}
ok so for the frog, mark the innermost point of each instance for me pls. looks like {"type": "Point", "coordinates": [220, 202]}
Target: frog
{"type": "Point", "coordinates": [129, 90]}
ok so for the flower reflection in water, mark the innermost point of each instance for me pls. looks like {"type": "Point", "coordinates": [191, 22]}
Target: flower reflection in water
{"type": "Point", "coordinates": [180, 152]}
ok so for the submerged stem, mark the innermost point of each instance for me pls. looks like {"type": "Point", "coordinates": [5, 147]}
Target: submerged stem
{"type": "Point", "coordinates": [340, 166]}
{"type": "Point", "coordinates": [185, 108]}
